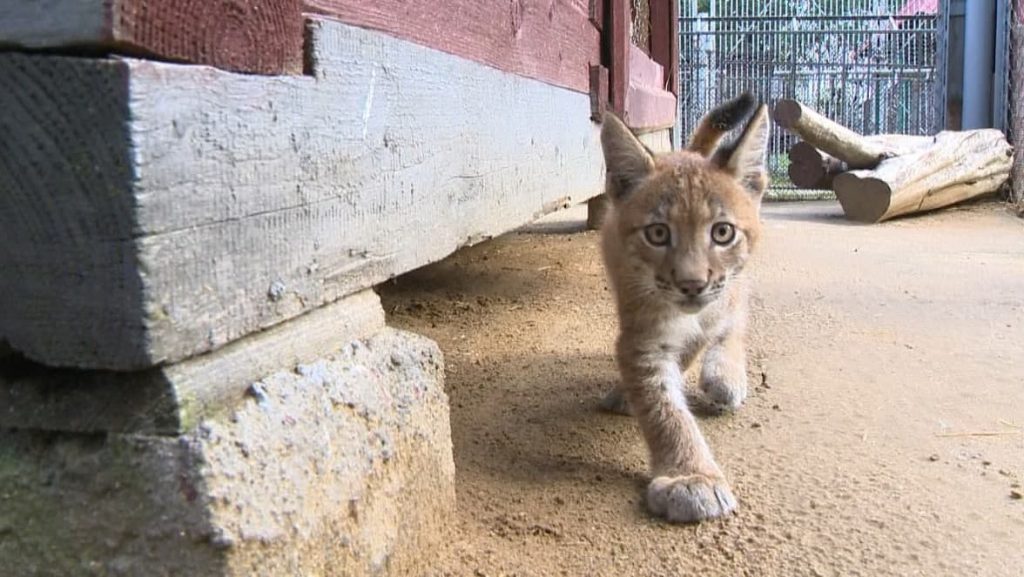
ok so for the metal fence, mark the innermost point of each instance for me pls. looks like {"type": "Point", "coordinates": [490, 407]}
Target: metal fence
{"type": "Point", "coordinates": [1017, 112]}
{"type": "Point", "coordinates": [876, 66]}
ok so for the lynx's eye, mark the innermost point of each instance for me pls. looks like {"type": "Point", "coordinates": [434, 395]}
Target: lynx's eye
{"type": "Point", "coordinates": [723, 233]}
{"type": "Point", "coordinates": [657, 234]}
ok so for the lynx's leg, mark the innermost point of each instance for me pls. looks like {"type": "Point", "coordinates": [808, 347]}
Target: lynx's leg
{"type": "Point", "coordinates": [688, 485]}
{"type": "Point", "coordinates": [723, 376]}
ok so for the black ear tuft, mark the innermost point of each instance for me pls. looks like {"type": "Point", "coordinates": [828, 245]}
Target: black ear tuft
{"type": "Point", "coordinates": [720, 121]}
{"type": "Point", "coordinates": [730, 114]}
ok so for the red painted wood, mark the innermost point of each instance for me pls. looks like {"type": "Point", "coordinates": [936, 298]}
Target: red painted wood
{"type": "Point", "coordinates": [649, 108]}
{"type": "Point", "coordinates": [597, 14]}
{"type": "Point", "coordinates": [549, 40]}
{"type": "Point", "coordinates": [648, 104]}
{"type": "Point", "coordinates": [665, 40]}
{"type": "Point", "coordinates": [619, 43]}
{"type": "Point", "coordinates": [643, 71]}
{"type": "Point", "coordinates": [260, 36]}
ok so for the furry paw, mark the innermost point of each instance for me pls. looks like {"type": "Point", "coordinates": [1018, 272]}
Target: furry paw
{"type": "Point", "coordinates": [615, 402]}
{"type": "Point", "coordinates": [724, 381]}
{"type": "Point", "coordinates": [725, 394]}
{"type": "Point", "coordinates": [690, 498]}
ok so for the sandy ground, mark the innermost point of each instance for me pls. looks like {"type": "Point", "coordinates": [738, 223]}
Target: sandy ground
{"type": "Point", "coordinates": [884, 351]}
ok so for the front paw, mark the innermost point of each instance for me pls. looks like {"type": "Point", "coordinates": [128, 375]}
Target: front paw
{"type": "Point", "coordinates": [724, 386]}
{"type": "Point", "coordinates": [690, 498]}
{"type": "Point", "coordinates": [615, 402]}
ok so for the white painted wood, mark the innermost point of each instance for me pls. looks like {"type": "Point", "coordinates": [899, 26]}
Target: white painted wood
{"type": "Point", "coordinates": [252, 199]}
{"type": "Point", "coordinates": [49, 23]}
{"type": "Point", "coordinates": [171, 400]}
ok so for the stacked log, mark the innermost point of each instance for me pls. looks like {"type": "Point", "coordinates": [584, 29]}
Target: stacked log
{"type": "Point", "coordinates": [882, 176]}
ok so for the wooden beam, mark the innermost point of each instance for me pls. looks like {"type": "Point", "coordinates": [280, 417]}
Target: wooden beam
{"type": "Point", "coordinates": [553, 41]}
{"type": "Point", "coordinates": [152, 212]}
{"type": "Point", "coordinates": [619, 42]}
{"type": "Point", "coordinates": [259, 36]}
{"type": "Point", "coordinates": [665, 40]}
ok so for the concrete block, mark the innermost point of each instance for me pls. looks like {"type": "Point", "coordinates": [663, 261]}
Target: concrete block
{"type": "Point", "coordinates": [152, 212]}
{"type": "Point", "coordinates": [173, 399]}
{"type": "Point", "coordinates": [340, 467]}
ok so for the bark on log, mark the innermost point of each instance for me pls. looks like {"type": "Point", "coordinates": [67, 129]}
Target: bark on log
{"type": "Point", "coordinates": [959, 166]}
{"type": "Point", "coordinates": [836, 140]}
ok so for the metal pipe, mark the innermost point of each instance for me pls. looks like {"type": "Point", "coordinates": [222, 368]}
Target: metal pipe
{"type": "Point", "coordinates": [979, 52]}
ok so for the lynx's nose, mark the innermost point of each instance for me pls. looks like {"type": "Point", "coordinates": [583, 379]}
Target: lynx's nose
{"type": "Point", "coordinates": [692, 287]}
{"type": "Point", "coordinates": [691, 278]}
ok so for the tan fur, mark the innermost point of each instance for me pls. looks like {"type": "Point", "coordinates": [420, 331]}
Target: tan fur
{"type": "Point", "coordinates": [680, 300]}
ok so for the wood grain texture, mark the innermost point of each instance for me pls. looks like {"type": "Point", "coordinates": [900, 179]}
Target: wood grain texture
{"type": "Point", "coordinates": [241, 201]}
{"type": "Point", "coordinates": [69, 280]}
{"type": "Point", "coordinates": [549, 40]}
{"type": "Point", "coordinates": [957, 167]}
{"type": "Point", "coordinates": [173, 399]}
{"type": "Point", "coordinates": [259, 36]}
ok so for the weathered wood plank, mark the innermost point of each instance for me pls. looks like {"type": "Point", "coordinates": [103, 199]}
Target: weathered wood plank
{"type": "Point", "coordinates": [173, 399]}
{"type": "Point", "coordinates": [153, 211]}
{"type": "Point", "coordinates": [549, 40]}
{"type": "Point", "coordinates": [260, 36]}
{"type": "Point", "coordinates": [68, 280]}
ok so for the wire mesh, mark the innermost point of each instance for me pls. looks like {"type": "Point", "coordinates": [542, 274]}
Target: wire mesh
{"type": "Point", "coordinates": [871, 65]}
{"type": "Point", "coordinates": [1017, 111]}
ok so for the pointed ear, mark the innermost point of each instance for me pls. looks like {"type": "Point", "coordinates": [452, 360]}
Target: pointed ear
{"type": "Point", "coordinates": [627, 160]}
{"type": "Point", "coordinates": [745, 159]}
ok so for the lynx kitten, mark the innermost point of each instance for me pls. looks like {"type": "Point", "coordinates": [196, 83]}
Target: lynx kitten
{"type": "Point", "coordinates": [675, 242]}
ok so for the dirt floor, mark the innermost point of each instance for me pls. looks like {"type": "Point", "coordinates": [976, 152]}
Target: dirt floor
{"type": "Point", "coordinates": [883, 436]}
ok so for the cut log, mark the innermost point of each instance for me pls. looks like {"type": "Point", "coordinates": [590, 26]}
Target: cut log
{"type": "Point", "coordinates": [812, 168]}
{"type": "Point", "coordinates": [831, 137]}
{"type": "Point", "coordinates": [836, 140]}
{"type": "Point", "coordinates": [959, 166]}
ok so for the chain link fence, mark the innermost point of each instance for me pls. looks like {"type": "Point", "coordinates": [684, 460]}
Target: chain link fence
{"type": "Point", "coordinates": [875, 66]}
{"type": "Point", "coordinates": [1017, 107]}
